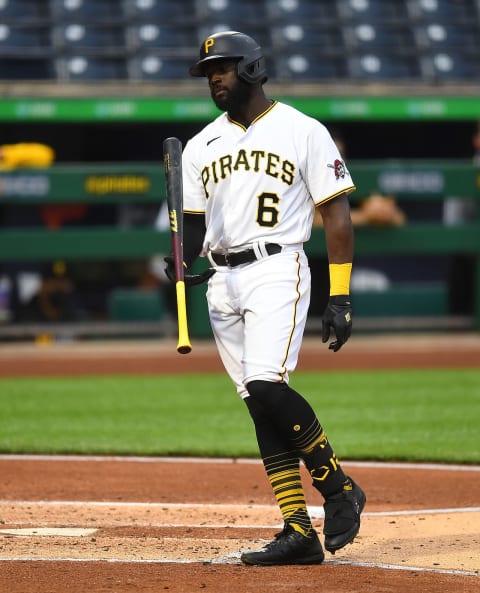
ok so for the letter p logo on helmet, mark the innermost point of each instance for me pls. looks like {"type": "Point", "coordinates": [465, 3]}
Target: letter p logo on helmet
{"type": "Point", "coordinates": [208, 44]}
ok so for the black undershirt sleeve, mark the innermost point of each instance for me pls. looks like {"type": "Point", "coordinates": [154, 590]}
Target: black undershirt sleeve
{"type": "Point", "coordinates": [193, 235]}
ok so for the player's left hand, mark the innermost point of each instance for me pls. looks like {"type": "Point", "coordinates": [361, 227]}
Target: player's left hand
{"type": "Point", "coordinates": [337, 316]}
{"type": "Point", "coordinates": [189, 279]}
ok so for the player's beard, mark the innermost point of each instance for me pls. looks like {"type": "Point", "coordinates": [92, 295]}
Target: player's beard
{"type": "Point", "coordinates": [233, 99]}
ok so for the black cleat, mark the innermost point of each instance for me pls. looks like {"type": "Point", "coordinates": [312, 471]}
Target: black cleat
{"type": "Point", "coordinates": [342, 517]}
{"type": "Point", "coordinates": [288, 547]}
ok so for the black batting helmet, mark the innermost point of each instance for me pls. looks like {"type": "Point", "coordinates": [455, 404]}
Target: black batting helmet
{"type": "Point", "coordinates": [233, 45]}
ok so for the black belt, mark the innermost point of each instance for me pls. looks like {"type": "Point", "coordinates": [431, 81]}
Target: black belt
{"type": "Point", "coordinates": [243, 257]}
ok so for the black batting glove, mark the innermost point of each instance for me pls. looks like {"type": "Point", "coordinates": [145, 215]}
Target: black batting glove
{"type": "Point", "coordinates": [337, 316]}
{"type": "Point", "coordinates": [189, 279]}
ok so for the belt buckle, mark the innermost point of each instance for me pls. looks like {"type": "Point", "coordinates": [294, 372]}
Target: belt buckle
{"type": "Point", "coordinates": [227, 260]}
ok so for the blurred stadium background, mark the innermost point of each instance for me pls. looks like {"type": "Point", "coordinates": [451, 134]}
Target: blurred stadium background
{"type": "Point", "coordinates": [104, 81]}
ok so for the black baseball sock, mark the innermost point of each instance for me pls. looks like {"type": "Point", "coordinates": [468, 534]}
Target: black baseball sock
{"type": "Point", "coordinates": [296, 421]}
{"type": "Point", "coordinates": [282, 466]}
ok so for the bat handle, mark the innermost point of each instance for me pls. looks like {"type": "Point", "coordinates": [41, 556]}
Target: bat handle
{"type": "Point", "coordinates": [183, 346]}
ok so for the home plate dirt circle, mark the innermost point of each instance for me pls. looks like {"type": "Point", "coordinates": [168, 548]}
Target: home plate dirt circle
{"type": "Point", "coordinates": [121, 525]}
{"type": "Point", "coordinates": [58, 516]}
{"type": "Point", "coordinates": [216, 533]}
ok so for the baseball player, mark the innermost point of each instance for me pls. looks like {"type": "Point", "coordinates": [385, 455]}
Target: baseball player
{"type": "Point", "coordinates": [252, 180]}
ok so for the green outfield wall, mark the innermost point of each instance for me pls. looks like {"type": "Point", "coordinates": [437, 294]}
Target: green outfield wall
{"type": "Point", "coordinates": [144, 183]}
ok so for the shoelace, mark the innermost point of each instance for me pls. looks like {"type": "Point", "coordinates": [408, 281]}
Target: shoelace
{"type": "Point", "coordinates": [286, 531]}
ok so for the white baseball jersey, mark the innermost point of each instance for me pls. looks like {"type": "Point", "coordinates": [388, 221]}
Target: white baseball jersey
{"type": "Point", "coordinates": [261, 183]}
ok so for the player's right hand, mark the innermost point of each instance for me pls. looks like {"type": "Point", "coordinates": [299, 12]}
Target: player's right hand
{"type": "Point", "coordinates": [189, 279]}
{"type": "Point", "coordinates": [337, 316]}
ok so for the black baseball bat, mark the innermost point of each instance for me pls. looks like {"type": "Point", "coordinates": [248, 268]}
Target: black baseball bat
{"type": "Point", "coordinates": [172, 158]}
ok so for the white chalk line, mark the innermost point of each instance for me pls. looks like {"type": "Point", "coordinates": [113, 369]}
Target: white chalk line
{"type": "Point", "coordinates": [234, 559]}
{"type": "Point", "coordinates": [471, 573]}
{"type": "Point", "coordinates": [316, 512]}
{"type": "Point", "coordinates": [49, 531]}
{"type": "Point", "coordinates": [228, 460]}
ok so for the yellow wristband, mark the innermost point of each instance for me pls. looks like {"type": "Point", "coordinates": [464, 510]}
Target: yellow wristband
{"type": "Point", "coordinates": [340, 278]}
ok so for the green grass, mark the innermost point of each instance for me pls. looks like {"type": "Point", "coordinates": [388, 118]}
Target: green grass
{"type": "Point", "coordinates": [426, 415]}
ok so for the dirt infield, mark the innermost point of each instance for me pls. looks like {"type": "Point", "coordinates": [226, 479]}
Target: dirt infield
{"type": "Point", "coordinates": [153, 524]}
{"type": "Point", "coordinates": [160, 356]}
{"type": "Point", "coordinates": [123, 524]}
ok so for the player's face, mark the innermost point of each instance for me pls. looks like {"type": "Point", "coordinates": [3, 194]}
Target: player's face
{"type": "Point", "coordinates": [228, 92]}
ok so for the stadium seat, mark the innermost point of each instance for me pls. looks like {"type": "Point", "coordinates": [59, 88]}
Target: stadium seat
{"type": "Point", "coordinates": [181, 39]}
{"type": "Point", "coordinates": [152, 66]}
{"type": "Point", "coordinates": [367, 36]}
{"type": "Point", "coordinates": [24, 39]}
{"type": "Point", "coordinates": [384, 66]}
{"type": "Point", "coordinates": [84, 67]}
{"type": "Point", "coordinates": [24, 11]}
{"type": "Point", "coordinates": [97, 39]}
{"type": "Point", "coordinates": [302, 11]}
{"type": "Point", "coordinates": [161, 11]}
{"type": "Point", "coordinates": [373, 11]}
{"type": "Point", "coordinates": [298, 37]}
{"type": "Point", "coordinates": [445, 11]}
{"type": "Point", "coordinates": [449, 65]}
{"type": "Point", "coordinates": [88, 11]}
{"type": "Point", "coordinates": [21, 68]}
{"type": "Point", "coordinates": [444, 36]}
{"type": "Point", "coordinates": [240, 12]}
{"type": "Point", "coordinates": [308, 67]}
